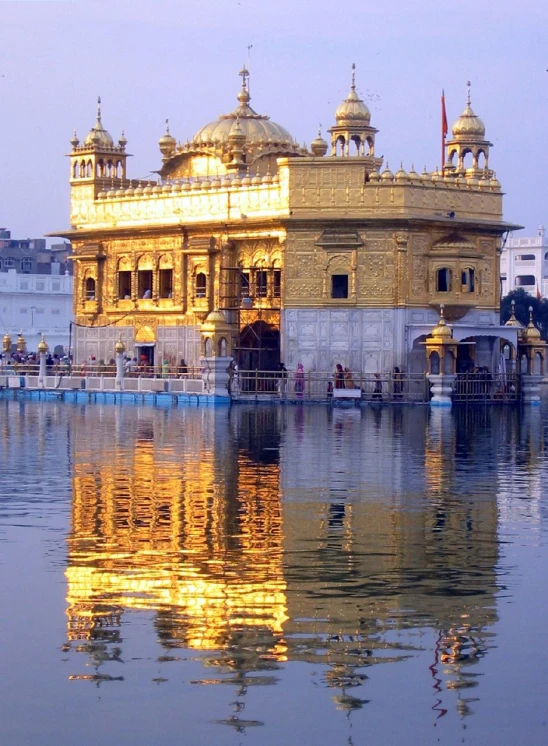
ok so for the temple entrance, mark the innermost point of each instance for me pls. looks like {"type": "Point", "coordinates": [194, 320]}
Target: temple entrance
{"type": "Point", "coordinates": [145, 355]}
{"type": "Point", "coordinates": [259, 347]}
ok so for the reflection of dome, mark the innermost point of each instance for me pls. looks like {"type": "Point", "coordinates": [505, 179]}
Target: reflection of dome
{"type": "Point", "coordinates": [352, 110]}
{"type": "Point", "coordinates": [98, 134]}
{"type": "Point", "coordinates": [257, 128]}
{"type": "Point", "coordinates": [468, 124]}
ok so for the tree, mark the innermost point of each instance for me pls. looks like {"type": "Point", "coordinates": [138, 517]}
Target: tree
{"type": "Point", "coordinates": [524, 301]}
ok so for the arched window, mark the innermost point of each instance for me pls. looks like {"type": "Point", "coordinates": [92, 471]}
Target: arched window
{"type": "Point", "coordinates": [434, 363]}
{"type": "Point", "coordinates": [201, 285]}
{"type": "Point", "coordinates": [75, 170]}
{"type": "Point", "coordinates": [222, 347]}
{"type": "Point", "coordinates": [26, 265]}
{"type": "Point", "coordinates": [444, 280]}
{"type": "Point", "coordinates": [82, 169]}
{"type": "Point", "coordinates": [90, 288]}
{"type": "Point", "coordinates": [119, 169]}
{"type": "Point", "coordinates": [100, 168]}
{"type": "Point", "coordinates": [9, 262]}
{"type": "Point", "coordinates": [208, 347]}
{"type": "Point", "coordinates": [468, 282]}
{"type": "Point", "coordinates": [89, 170]}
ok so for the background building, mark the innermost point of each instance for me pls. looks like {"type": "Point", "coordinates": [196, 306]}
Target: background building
{"type": "Point", "coordinates": [35, 291]}
{"type": "Point", "coordinates": [524, 264]}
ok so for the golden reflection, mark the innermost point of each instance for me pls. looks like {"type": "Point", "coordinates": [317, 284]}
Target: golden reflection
{"type": "Point", "coordinates": [184, 537]}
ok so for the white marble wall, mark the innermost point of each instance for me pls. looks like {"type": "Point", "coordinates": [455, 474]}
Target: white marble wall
{"type": "Point", "coordinates": [363, 339]}
{"type": "Point", "coordinates": [172, 342]}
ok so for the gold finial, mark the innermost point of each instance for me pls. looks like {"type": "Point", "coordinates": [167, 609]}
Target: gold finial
{"type": "Point", "coordinates": [353, 86]}
{"type": "Point", "coordinates": [244, 72]}
{"type": "Point", "coordinates": [99, 109]}
{"type": "Point", "coordinates": [468, 84]}
{"type": "Point", "coordinates": [167, 126]}
{"type": "Point", "coordinates": [120, 347]}
{"type": "Point", "coordinates": [43, 345]}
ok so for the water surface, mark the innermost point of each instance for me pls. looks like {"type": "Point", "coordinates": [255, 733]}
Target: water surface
{"type": "Point", "coordinates": [272, 575]}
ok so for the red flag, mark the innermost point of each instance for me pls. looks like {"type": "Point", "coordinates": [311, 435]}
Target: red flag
{"type": "Point", "coordinates": [444, 127]}
{"type": "Point", "coordinates": [539, 296]}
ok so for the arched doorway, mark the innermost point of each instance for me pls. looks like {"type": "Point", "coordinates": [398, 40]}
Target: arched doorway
{"type": "Point", "coordinates": [259, 347]}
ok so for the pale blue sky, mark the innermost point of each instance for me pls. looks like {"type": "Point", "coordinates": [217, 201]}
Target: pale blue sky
{"type": "Point", "coordinates": [152, 60]}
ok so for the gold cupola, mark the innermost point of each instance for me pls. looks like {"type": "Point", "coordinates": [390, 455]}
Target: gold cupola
{"type": "Point", "coordinates": [167, 143]}
{"type": "Point", "coordinates": [352, 125]}
{"type": "Point", "coordinates": [468, 139]}
{"type": "Point", "coordinates": [512, 321]}
{"type": "Point", "coordinates": [6, 343]}
{"type": "Point", "coordinates": [319, 146]}
{"type": "Point", "coordinates": [98, 135]}
{"type": "Point", "coordinates": [441, 348]}
{"type": "Point", "coordinates": [531, 349]}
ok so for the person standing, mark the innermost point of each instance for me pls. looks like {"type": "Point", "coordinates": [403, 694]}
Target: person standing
{"type": "Point", "coordinates": [377, 391]}
{"type": "Point", "coordinates": [299, 381]}
{"type": "Point", "coordinates": [339, 376]}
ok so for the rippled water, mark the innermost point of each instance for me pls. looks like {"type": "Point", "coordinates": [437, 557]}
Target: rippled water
{"type": "Point", "coordinates": [272, 575]}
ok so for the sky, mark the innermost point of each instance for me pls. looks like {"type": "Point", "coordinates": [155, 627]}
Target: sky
{"type": "Point", "coordinates": [179, 59]}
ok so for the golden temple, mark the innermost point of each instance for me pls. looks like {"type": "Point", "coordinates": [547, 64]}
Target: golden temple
{"type": "Point", "coordinates": [316, 255]}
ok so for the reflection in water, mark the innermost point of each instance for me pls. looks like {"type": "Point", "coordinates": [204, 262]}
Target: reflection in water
{"type": "Point", "coordinates": [346, 539]}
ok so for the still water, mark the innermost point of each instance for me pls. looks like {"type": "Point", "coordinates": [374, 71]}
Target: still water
{"type": "Point", "coordinates": [272, 575]}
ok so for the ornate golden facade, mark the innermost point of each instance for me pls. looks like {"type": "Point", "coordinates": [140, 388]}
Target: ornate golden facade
{"type": "Point", "coordinates": [314, 257]}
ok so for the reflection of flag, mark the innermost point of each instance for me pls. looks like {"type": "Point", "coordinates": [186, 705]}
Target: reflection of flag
{"type": "Point", "coordinates": [539, 296]}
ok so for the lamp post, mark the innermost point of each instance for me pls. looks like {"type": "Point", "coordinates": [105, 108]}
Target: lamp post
{"type": "Point", "coordinates": [119, 348]}
{"type": "Point", "coordinates": [42, 351]}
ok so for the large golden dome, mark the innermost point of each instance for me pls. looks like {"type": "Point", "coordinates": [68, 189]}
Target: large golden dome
{"type": "Point", "coordinates": [98, 134]}
{"type": "Point", "coordinates": [352, 110]}
{"type": "Point", "coordinates": [257, 128]}
{"type": "Point", "coordinates": [468, 124]}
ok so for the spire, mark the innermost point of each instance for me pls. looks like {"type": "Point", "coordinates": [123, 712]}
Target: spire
{"type": "Point", "coordinates": [243, 95]}
{"type": "Point", "coordinates": [353, 85]}
{"type": "Point", "coordinates": [99, 125]}
{"type": "Point", "coordinates": [468, 85]}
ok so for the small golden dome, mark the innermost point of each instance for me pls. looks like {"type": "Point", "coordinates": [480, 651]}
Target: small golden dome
{"type": "Point", "coordinates": [387, 174]}
{"type": "Point", "coordinates": [215, 317]}
{"type": "Point", "coordinates": [7, 342]}
{"type": "Point", "coordinates": [468, 124]}
{"type": "Point", "coordinates": [246, 181]}
{"type": "Point", "coordinates": [374, 176]}
{"type": "Point", "coordinates": [318, 146]}
{"type": "Point", "coordinates": [42, 346]}
{"type": "Point", "coordinates": [119, 347]}
{"type": "Point", "coordinates": [98, 134]}
{"type": "Point", "coordinates": [74, 141]}
{"type": "Point", "coordinates": [512, 321]}
{"type": "Point", "coordinates": [167, 142]}
{"type": "Point", "coordinates": [494, 184]}
{"type": "Point", "coordinates": [441, 330]}
{"type": "Point", "coordinates": [401, 174]}
{"type": "Point", "coordinates": [353, 110]}
{"type": "Point", "coordinates": [530, 334]}
{"type": "Point", "coordinates": [413, 175]}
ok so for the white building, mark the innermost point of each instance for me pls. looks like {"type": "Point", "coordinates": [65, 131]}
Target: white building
{"type": "Point", "coordinates": [524, 264]}
{"type": "Point", "coordinates": [34, 304]}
